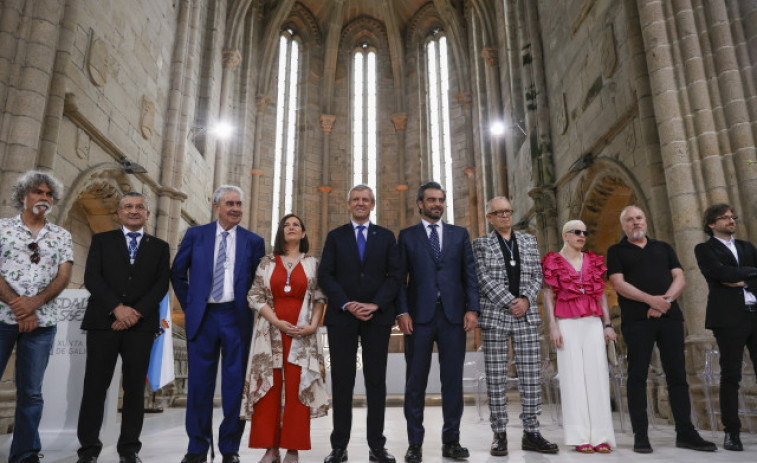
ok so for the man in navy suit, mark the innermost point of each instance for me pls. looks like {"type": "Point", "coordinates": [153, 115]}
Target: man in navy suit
{"type": "Point", "coordinates": [359, 273]}
{"type": "Point", "coordinates": [438, 303]}
{"type": "Point", "coordinates": [730, 268]}
{"type": "Point", "coordinates": [127, 276]}
{"type": "Point", "coordinates": [211, 275]}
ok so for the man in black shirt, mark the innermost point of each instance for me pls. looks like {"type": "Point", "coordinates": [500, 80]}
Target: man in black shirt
{"type": "Point", "coordinates": [648, 278]}
{"type": "Point", "coordinates": [509, 275]}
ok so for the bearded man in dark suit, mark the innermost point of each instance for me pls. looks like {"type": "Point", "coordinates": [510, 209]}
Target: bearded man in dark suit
{"type": "Point", "coordinates": [730, 268]}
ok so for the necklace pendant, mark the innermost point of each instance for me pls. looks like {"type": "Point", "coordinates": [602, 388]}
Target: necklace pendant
{"type": "Point", "coordinates": [582, 291]}
{"type": "Point", "coordinates": [287, 288]}
{"type": "Point", "coordinates": [289, 264]}
{"type": "Point", "coordinates": [512, 263]}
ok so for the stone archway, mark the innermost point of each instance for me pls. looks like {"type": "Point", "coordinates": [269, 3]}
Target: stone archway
{"type": "Point", "coordinates": [92, 212]}
{"type": "Point", "coordinates": [601, 194]}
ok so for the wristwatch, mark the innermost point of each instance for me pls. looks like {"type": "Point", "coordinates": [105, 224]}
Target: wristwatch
{"type": "Point", "coordinates": [609, 325]}
{"type": "Point", "coordinates": [669, 300]}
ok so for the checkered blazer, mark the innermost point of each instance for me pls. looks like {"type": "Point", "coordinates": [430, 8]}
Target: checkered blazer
{"type": "Point", "coordinates": [493, 285]}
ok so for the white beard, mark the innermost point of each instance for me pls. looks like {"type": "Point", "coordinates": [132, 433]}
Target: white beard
{"type": "Point", "coordinates": [38, 205]}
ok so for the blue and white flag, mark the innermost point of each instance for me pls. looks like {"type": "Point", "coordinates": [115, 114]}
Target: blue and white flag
{"type": "Point", "coordinates": [161, 370]}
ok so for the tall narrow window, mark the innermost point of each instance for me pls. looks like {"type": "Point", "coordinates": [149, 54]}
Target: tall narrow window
{"type": "Point", "coordinates": [438, 119]}
{"type": "Point", "coordinates": [286, 129]}
{"type": "Point", "coordinates": [364, 121]}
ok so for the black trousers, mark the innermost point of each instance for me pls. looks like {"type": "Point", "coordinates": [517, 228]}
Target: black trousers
{"type": "Point", "coordinates": [343, 341]}
{"type": "Point", "coordinates": [640, 337]}
{"type": "Point", "coordinates": [731, 343]}
{"type": "Point", "coordinates": [103, 349]}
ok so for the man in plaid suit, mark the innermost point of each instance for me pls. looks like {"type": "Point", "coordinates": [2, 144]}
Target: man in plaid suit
{"type": "Point", "coordinates": [510, 277]}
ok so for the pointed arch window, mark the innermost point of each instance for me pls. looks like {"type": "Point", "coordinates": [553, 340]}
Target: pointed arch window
{"type": "Point", "coordinates": [286, 129]}
{"type": "Point", "coordinates": [439, 119]}
{"type": "Point", "coordinates": [364, 120]}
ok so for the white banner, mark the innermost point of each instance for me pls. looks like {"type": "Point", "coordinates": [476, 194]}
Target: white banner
{"type": "Point", "coordinates": [64, 379]}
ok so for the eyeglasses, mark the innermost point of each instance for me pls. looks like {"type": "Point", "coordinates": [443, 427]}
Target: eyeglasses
{"type": "Point", "coordinates": [502, 213]}
{"type": "Point", "coordinates": [579, 232]}
{"type": "Point", "coordinates": [735, 218]}
{"type": "Point", "coordinates": [34, 248]}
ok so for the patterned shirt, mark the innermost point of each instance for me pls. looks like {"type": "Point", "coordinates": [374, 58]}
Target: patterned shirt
{"type": "Point", "coordinates": [22, 275]}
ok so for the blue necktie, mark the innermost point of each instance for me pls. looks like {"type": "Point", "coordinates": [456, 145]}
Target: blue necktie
{"type": "Point", "coordinates": [133, 245]}
{"type": "Point", "coordinates": [220, 269]}
{"type": "Point", "coordinates": [361, 241]}
{"type": "Point", "coordinates": [434, 238]}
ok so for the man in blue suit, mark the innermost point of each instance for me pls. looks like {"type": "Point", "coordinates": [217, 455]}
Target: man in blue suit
{"type": "Point", "coordinates": [360, 274]}
{"type": "Point", "coordinates": [211, 274]}
{"type": "Point", "coordinates": [438, 303]}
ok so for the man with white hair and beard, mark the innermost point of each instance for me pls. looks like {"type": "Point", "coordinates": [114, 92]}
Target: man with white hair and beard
{"type": "Point", "coordinates": [36, 257]}
{"type": "Point", "coordinates": [648, 279]}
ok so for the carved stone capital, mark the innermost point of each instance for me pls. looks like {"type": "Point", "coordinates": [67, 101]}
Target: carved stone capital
{"type": "Point", "coordinates": [465, 99]}
{"type": "Point", "coordinates": [400, 121]}
{"type": "Point", "coordinates": [327, 122]}
{"type": "Point", "coordinates": [490, 56]}
{"type": "Point", "coordinates": [231, 59]}
{"type": "Point", "coordinates": [324, 189]}
{"type": "Point", "coordinates": [262, 101]}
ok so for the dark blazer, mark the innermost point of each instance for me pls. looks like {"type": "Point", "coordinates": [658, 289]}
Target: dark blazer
{"type": "Point", "coordinates": [453, 278]}
{"type": "Point", "coordinates": [112, 280]}
{"type": "Point", "coordinates": [725, 305]}
{"type": "Point", "coordinates": [343, 277]}
{"type": "Point", "coordinates": [194, 263]}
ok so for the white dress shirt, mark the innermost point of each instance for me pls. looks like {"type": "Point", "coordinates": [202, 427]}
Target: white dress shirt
{"type": "Point", "coordinates": [228, 278]}
{"type": "Point", "coordinates": [749, 298]}
{"type": "Point", "coordinates": [126, 231]}
{"type": "Point", "coordinates": [426, 223]}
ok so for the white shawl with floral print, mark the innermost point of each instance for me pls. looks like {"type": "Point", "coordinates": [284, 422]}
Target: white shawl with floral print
{"type": "Point", "coordinates": [267, 348]}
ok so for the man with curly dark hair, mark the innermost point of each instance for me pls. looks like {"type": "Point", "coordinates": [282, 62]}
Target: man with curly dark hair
{"type": "Point", "coordinates": [36, 257]}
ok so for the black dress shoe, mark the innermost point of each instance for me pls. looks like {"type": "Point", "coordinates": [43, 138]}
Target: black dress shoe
{"type": "Point", "coordinates": [454, 450]}
{"type": "Point", "coordinates": [80, 460]}
{"type": "Point", "coordinates": [336, 456]}
{"type": "Point", "coordinates": [414, 454]}
{"type": "Point", "coordinates": [732, 441]}
{"type": "Point", "coordinates": [692, 440]}
{"type": "Point", "coordinates": [641, 443]}
{"type": "Point", "coordinates": [499, 444]}
{"type": "Point", "coordinates": [380, 455]}
{"type": "Point", "coordinates": [34, 459]}
{"type": "Point", "coordinates": [195, 458]}
{"type": "Point", "coordinates": [129, 459]}
{"type": "Point", "coordinates": [536, 442]}
{"type": "Point", "coordinates": [231, 458]}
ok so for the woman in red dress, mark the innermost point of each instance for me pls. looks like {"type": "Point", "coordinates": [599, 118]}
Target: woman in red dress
{"type": "Point", "coordinates": [579, 326]}
{"type": "Point", "coordinates": [285, 347]}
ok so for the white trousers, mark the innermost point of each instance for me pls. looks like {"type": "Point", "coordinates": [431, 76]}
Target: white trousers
{"type": "Point", "coordinates": [584, 382]}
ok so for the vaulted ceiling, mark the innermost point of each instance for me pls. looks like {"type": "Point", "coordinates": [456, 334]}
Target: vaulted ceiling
{"type": "Point", "coordinates": [403, 10]}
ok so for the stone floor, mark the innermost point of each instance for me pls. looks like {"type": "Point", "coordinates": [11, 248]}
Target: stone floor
{"type": "Point", "coordinates": [165, 441]}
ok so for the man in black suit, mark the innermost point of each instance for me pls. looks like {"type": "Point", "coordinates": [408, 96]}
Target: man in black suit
{"type": "Point", "coordinates": [127, 275]}
{"type": "Point", "coordinates": [730, 268]}
{"type": "Point", "coordinates": [359, 273]}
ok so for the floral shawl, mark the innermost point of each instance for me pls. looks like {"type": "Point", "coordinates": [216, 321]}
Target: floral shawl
{"type": "Point", "coordinates": [267, 348]}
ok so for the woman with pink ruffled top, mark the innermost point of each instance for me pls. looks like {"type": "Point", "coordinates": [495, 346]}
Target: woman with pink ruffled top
{"type": "Point", "coordinates": [579, 328]}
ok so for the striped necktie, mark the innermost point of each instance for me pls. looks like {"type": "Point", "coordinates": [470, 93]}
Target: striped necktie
{"type": "Point", "coordinates": [220, 269]}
